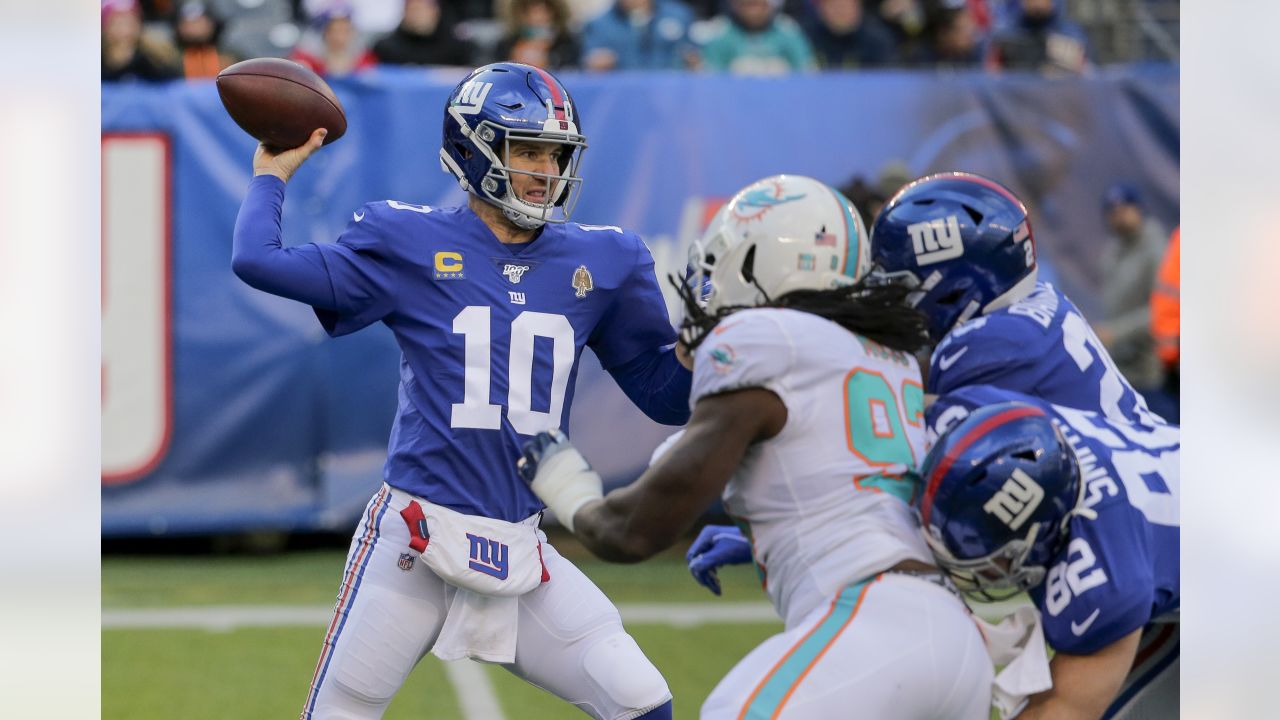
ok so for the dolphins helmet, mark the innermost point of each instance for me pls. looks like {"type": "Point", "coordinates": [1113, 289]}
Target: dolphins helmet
{"type": "Point", "coordinates": [782, 233]}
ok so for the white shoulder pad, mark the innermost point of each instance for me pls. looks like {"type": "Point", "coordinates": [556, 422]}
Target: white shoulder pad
{"type": "Point", "coordinates": [747, 349]}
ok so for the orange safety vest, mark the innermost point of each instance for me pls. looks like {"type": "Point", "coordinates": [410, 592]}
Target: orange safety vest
{"type": "Point", "coordinates": [1166, 326]}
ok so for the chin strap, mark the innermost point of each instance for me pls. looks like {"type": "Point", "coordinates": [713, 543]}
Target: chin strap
{"type": "Point", "coordinates": [521, 220]}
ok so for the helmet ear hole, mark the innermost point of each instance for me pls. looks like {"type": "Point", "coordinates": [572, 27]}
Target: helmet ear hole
{"type": "Point", "coordinates": [749, 265]}
{"type": "Point", "coordinates": [973, 214]}
{"type": "Point", "coordinates": [952, 297]}
{"type": "Point", "coordinates": [1028, 455]}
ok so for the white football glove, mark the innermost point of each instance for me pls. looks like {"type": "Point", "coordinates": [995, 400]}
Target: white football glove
{"type": "Point", "coordinates": [559, 475]}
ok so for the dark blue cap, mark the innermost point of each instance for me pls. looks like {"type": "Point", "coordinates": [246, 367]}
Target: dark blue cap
{"type": "Point", "coordinates": [1120, 193]}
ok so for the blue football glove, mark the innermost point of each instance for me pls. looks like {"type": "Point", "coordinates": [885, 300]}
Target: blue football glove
{"type": "Point", "coordinates": [559, 475]}
{"type": "Point", "coordinates": [716, 545]}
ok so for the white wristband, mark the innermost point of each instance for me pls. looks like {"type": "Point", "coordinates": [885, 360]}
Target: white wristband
{"type": "Point", "coordinates": [565, 482]}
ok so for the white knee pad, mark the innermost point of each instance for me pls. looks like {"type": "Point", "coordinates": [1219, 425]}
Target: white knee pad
{"type": "Point", "coordinates": [620, 669]}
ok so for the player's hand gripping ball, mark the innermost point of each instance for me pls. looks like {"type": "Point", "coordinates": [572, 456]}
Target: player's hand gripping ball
{"type": "Point", "coordinates": [280, 102]}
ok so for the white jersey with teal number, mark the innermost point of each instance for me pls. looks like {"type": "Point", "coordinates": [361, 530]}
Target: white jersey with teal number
{"type": "Point", "coordinates": [826, 501]}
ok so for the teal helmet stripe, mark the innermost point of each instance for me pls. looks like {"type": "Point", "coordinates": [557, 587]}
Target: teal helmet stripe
{"type": "Point", "coordinates": [852, 239]}
{"type": "Point", "coordinates": [778, 685]}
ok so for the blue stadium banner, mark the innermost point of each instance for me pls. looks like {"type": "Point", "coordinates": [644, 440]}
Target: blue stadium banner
{"type": "Point", "coordinates": [227, 409]}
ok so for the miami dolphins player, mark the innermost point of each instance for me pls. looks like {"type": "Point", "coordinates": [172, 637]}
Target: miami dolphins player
{"type": "Point", "coordinates": [808, 420]}
{"type": "Point", "coordinates": [964, 244]}
{"type": "Point", "coordinates": [492, 304]}
{"type": "Point", "coordinates": [1079, 510]}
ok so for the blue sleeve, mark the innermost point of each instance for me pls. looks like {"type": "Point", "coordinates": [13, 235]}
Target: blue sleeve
{"type": "Point", "coordinates": [636, 320]}
{"type": "Point", "coordinates": [658, 384]}
{"type": "Point", "coordinates": [989, 355]}
{"type": "Point", "coordinates": [258, 258]}
{"type": "Point", "coordinates": [363, 267]}
{"type": "Point", "coordinates": [349, 283]}
{"type": "Point", "coordinates": [1100, 615]}
{"type": "Point", "coordinates": [633, 340]}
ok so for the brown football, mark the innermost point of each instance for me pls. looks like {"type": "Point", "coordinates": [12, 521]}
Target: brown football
{"type": "Point", "coordinates": [280, 102]}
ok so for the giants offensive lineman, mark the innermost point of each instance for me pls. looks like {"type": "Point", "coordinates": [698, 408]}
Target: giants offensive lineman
{"type": "Point", "coordinates": [1081, 511]}
{"type": "Point", "coordinates": [809, 420]}
{"type": "Point", "coordinates": [483, 368]}
{"type": "Point", "coordinates": [965, 246]}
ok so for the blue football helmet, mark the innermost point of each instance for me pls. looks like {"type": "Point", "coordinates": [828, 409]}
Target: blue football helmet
{"type": "Point", "coordinates": [504, 102]}
{"type": "Point", "coordinates": [1000, 487]}
{"type": "Point", "coordinates": [961, 241]}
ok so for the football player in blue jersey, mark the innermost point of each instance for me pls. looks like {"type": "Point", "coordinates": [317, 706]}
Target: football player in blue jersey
{"type": "Point", "coordinates": [965, 245]}
{"type": "Point", "coordinates": [492, 304]}
{"type": "Point", "coordinates": [1080, 511]}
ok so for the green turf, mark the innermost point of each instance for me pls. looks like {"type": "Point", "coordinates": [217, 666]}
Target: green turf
{"type": "Point", "coordinates": [264, 672]}
{"type": "Point", "coordinates": [251, 673]}
{"type": "Point", "coordinates": [311, 578]}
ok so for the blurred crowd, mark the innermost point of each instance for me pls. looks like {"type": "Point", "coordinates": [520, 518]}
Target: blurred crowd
{"type": "Point", "coordinates": [167, 39]}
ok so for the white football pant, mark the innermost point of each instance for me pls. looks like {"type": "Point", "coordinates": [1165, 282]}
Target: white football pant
{"type": "Point", "coordinates": [893, 648]}
{"type": "Point", "coordinates": [391, 607]}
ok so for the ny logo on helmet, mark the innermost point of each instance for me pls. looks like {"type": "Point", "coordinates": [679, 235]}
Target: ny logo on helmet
{"type": "Point", "coordinates": [1017, 499]}
{"type": "Point", "coordinates": [471, 97]}
{"type": "Point", "coordinates": [936, 240]}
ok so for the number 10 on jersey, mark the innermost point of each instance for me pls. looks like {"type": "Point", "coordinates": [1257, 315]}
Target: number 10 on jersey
{"type": "Point", "coordinates": [475, 410]}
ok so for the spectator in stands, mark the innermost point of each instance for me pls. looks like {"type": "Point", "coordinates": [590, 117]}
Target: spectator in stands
{"type": "Point", "coordinates": [332, 46]}
{"type": "Point", "coordinates": [905, 18]}
{"type": "Point", "coordinates": [1129, 264]}
{"type": "Point", "coordinates": [756, 38]}
{"type": "Point", "coordinates": [640, 35]}
{"type": "Point", "coordinates": [424, 37]}
{"type": "Point", "coordinates": [951, 37]}
{"type": "Point", "coordinates": [126, 55]}
{"type": "Point", "coordinates": [538, 34]}
{"type": "Point", "coordinates": [1038, 36]}
{"type": "Point", "coordinates": [197, 29]}
{"type": "Point", "coordinates": [1166, 322]}
{"type": "Point", "coordinates": [845, 36]}
{"type": "Point", "coordinates": [870, 198]}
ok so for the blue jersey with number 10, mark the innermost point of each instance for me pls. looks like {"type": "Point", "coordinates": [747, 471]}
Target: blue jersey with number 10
{"type": "Point", "coordinates": [1119, 570]}
{"type": "Point", "coordinates": [1041, 346]}
{"type": "Point", "coordinates": [490, 333]}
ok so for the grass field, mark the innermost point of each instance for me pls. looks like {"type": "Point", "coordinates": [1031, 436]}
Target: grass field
{"type": "Point", "coordinates": [263, 672]}
{"type": "Point", "coordinates": [230, 670]}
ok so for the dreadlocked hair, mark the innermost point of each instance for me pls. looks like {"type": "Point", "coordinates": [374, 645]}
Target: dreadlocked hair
{"type": "Point", "coordinates": [697, 323]}
{"type": "Point", "coordinates": [877, 311]}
